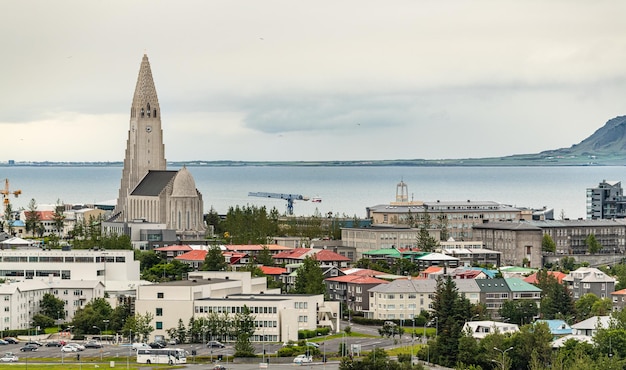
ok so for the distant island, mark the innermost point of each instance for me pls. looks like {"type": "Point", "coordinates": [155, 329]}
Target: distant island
{"type": "Point", "coordinates": [605, 147]}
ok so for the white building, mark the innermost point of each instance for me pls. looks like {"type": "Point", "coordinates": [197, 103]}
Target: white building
{"type": "Point", "coordinates": [33, 263]}
{"type": "Point", "coordinates": [278, 317]}
{"type": "Point", "coordinates": [20, 301]}
{"type": "Point", "coordinates": [481, 329]}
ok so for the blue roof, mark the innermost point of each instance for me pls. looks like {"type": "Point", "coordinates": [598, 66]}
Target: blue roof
{"type": "Point", "coordinates": [557, 327]}
{"type": "Point", "coordinates": [18, 223]}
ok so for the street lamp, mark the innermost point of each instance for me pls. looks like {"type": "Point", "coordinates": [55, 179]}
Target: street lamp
{"type": "Point", "coordinates": [503, 353]}
{"type": "Point", "coordinates": [100, 331]}
{"type": "Point", "coordinates": [106, 324]}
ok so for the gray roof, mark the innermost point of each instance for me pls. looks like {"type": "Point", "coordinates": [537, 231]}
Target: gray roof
{"type": "Point", "coordinates": [407, 286]}
{"type": "Point", "coordinates": [527, 226]}
{"type": "Point", "coordinates": [447, 206]}
{"type": "Point", "coordinates": [153, 183]}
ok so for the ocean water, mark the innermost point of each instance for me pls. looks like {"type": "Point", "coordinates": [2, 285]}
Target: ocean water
{"type": "Point", "coordinates": [344, 190]}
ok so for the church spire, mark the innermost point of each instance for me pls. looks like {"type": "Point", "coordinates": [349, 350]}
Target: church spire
{"type": "Point", "coordinates": [144, 148]}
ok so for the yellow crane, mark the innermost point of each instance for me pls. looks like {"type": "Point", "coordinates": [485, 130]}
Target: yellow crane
{"type": "Point", "coordinates": [6, 192]}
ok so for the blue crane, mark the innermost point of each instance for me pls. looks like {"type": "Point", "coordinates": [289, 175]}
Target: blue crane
{"type": "Point", "coordinates": [288, 197]}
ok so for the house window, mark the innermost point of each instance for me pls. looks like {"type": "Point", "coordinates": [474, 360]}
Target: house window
{"type": "Point", "coordinates": [159, 312]}
{"type": "Point", "coordinates": [160, 295]}
{"type": "Point", "coordinates": [159, 325]}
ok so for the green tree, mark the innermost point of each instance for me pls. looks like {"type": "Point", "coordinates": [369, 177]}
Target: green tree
{"type": "Point", "coordinates": [556, 300]}
{"type": "Point", "coordinates": [52, 307]}
{"type": "Point", "coordinates": [425, 241]}
{"type": "Point", "coordinates": [548, 244]}
{"type": "Point", "coordinates": [43, 321]}
{"type": "Point", "coordinates": [58, 218]}
{"type": "Point", "coordinates": [147, 259]}
{"type": "Point", "coordinates": [8, 218]}
{"type": "Point", "coordinates": [214, 260]}
{"type": "Point", "coordinates": [450, 311]}
{"type": "Point", "coordinates": [443, 227]}
{"type": "Point", "coordinates": [390, 330]}
{"type": "Point", "coordinates": [139, 325]}
{"type": "Point", "coordinates": [531, 339]}
{"type": "Point", "coordinates": [33, 218]}
{"type": "Point", "coordinates": [245, 329]}
{"type": "Point", "coordinates": [593, 245]}
{"type": "Point", "coordinates": [91, 315]}
{"type": "Point", "coordinates": [519, 311]}
{"type": "Point", "coordinates": [250, 225]}
{"type": "Point", "coordinates": [584, 305]}
{"type": "Point", "coordinates": [264, 258]}
{"type": "Point", "coordinates": [310, 278]}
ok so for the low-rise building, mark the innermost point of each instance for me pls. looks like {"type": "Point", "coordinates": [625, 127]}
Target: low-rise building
{"type": "Point", "coordinates": [494, 292]}
{"type": "Point", "coordinates": [586, 280]}
{"type": "Point", "coordinates": [480, 329]}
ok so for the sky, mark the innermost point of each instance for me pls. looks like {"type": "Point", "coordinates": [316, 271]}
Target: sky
{"type": "Point", "coordinates": [310, 80]}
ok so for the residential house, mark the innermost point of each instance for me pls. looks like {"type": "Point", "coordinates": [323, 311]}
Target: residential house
{"type": "Point", "coordinates": [480, 329]}
{"type": "Point", "coordinates": [170, 252]}
{"type": "Point", "coordinates": [586, 280]}
{"type": "Point", "coordinates": [401, 299]}
{"type": "Point", "coordinates": [352, 290]}
{"type": "Point", "coordinates": [619, 299]}
{"type": "Point", "coordinates": [590, 326]}
{"type": "Point", "coordinates": [494, 292]}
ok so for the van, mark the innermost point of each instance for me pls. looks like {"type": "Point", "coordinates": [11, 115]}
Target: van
{"type": "Point", "coordinates": [137, 346]}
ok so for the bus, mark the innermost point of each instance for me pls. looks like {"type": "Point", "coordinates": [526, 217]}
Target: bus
{"type": "Point", "coordinates": [171, 356]}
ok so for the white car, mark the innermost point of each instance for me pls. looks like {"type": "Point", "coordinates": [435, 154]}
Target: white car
{"type": "Point", "coordinates": [9, 357]}
{"type": "Point", "coordinates": [78, 346]}
{"type": "Point", "coordinates": [68, 348]}
{"type": "Point", "coordinates": [302, 359]}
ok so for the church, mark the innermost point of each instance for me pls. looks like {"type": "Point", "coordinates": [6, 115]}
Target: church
{"type": "Point", "coordinates": [150, 196]}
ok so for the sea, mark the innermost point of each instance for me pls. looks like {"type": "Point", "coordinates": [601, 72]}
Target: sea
{"type": "Point", "coordinates": [344, 191]}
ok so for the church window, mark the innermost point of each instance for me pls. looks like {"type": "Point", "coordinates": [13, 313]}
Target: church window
{"type": "Point", "coordinates": [142, 112]}
{"type": "Point", "coordinates": [154, 115]}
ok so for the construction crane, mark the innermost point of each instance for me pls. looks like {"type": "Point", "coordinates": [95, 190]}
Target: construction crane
{"type": "Point", "coordinates": [288, 197]}
{"type": "Point", "coordinates": [6, 192]}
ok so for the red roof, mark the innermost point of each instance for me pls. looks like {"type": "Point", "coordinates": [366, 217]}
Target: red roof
{"type": "Point", "coordinates": [326, 255]}
{"type": "Point", "coordinates": [295, 253]}
{"type": "Point", "coordinates": [357, 279]}
{"type": "Point", "coordinates": [321, 255]}
{"type": "Point", "coordinates": [174, 248]}
{"type": "Point", "coordinates": [361, 272]}
{"type": "Point", "coordinates": [532, 279]}
{"type": "Point", "coordinates": [43, 215]}
{"type": "Point", "coordinates": [194, 255]}
{"type": "Point", "coordinates": [619, 292]}
{"type": "Point", "coordinates": [270, 270]}
{"type": "Point", "coordinates": [256, 247]}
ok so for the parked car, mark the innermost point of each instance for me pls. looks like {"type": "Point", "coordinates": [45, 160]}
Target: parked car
{"type": "Point", "coordinates": [312, 344]}
{"type": "Point", "coordinates": [93, 344]}
{"type": "Point", "coordinates": [34, 342]}
{"type": "Point", "coordinates": [173, 341]}
{"type": "Point", "coordinates": [29, 348]}
{"type": "Point", "coordinates": [302, 359]}
{"type": "Point", "coordinates": [157, 345]}
{"type": "Point", "coordinates": [54, 343]}
{"type": "Point", "coordinates": [215, 344]}
{"type": "Point", "coordinates": [79, 347]}
{"type": "Point", "coordinates": [219, 367]}
{"type": "Point", "coordinates": [11, 340]}
{"type": "Point", "coordinates": [67, 348]}
{"type": "Point", "coordinates": [3, 342]}
{"type": "Point", "coordinates": [9, 357]}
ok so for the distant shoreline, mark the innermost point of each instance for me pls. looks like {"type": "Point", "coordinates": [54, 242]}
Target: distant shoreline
{"type": "Point", "coordinates": [511, 161]}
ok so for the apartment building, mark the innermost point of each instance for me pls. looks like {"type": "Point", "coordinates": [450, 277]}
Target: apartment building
{"type": "Point", "coordinates": [278, 316]}
{"type": "Point", "coordinates": [494, 292]}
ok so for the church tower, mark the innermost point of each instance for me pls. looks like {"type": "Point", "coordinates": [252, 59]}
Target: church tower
{"type": "Point", "coordinates": [145, 150]}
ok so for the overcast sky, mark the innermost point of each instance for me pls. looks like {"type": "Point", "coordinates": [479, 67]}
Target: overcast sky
{"type": "Point", "coordinates": [310, 80]}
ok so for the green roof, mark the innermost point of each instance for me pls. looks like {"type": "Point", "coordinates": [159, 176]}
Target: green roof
{"type": "Point", "coordinates": [391, 252]}
{"type": "Point", "coordinates": [519, 285]}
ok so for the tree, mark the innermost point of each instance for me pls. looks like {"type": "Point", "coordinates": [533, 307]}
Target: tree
{"type": "Point", "coordinates": [450, 311]}
{"type": "Point", "coordinates": [584, 305]}
{"type": "Point", "coordinates": [310, 278]}
{"type": "Point", "coordinates": [593, 245]}
{"type": "Point", "coordinates": [43, 321]}
{"type": "Point", "coordinates": [443, 227]}
{"type": "Point", "coordinates": [556, 299]}
{"type": "Point", "coordinates": [33, 218]}
{"type": "Point", "coordinates": [264, 257]}
{"type": "Point", "coordinates": [91, 315]}
{"type": "Point", "coordinates": [390, 330]}
{"type": "Point", "coordinates": [245, 329]}
{"type": "Point", "coordinates": [250, 225]}
{"type": "Point", "coordinates": [214, 260]}
{"type": "Point", "coordinates": [425, 242]}
{"type": "Point", "coordinates": [8, 218]}
{"type": "Point", "coordinates": [548, 244]}
{"type": "Point", "coordinates": [139, 325]}
{"type": "Point", "coordinates": [52, 307]}
{"type": "Point", "coordinates": [58, 218]}
{"type": "Point", "coordinates": [519, 311]}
